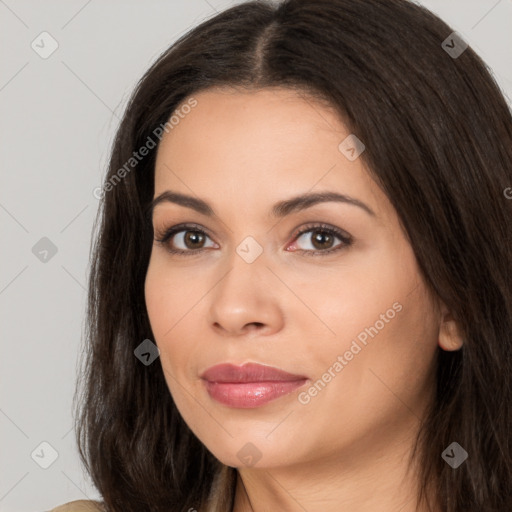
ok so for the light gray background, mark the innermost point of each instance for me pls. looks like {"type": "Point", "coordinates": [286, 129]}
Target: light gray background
{"type": "Point", "coordinates": [58, 118]}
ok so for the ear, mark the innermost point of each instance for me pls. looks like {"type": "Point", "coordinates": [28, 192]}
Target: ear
{"type": "Point", "coordinates": [450, 337]}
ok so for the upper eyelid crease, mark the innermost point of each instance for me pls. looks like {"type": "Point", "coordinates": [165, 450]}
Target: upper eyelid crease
{"type": "Point", "coordinates": [346, 239]}
{"type": "Point", "coordinates": [280, 209]}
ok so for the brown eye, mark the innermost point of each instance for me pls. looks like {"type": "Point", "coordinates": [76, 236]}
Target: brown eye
{"type": "Point", "coordinates": [189, 240]}
{"type": "Point", "coordinates": [184, 239]}
{"type": "Point", "coordinates": [321, 240]}
{"type": "Point", "coordinates": [193, 239]}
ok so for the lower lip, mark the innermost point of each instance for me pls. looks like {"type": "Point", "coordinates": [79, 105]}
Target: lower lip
{"type": "Point", "coordinates": [247, 395]}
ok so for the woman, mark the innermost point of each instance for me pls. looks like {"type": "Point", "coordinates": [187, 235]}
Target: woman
{"type": "Point", "coordinates": [301, 292]}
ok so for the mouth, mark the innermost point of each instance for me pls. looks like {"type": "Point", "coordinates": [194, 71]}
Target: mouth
{"type": "Point", "coordinates": [250, 385]}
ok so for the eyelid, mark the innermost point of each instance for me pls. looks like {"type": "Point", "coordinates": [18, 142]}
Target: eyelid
{"type": "Point", "coordinates": [321, 226]}
{"type": "Point", "coordinates": [345, 238]}
{"type": "Point", "coordinates": [167, 233]}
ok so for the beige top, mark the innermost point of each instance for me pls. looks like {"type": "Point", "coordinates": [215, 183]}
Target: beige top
{"type": "Point", "coordinates": [79, 506]}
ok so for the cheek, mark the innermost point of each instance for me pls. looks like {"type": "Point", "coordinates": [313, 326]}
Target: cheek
{"type": "Point", "coordinates": [172, 301]}
{"type": "Point", "coordinates": [157, 300]}
{"type": "Point", "coordinates": [393, 373]}
{"type": "Point", "coordinates": [165, 307]}
{"type": "Point", "coordinates": [169, 296]}
{"type": "Point", "coordinates": [384, 328]}
{"type": "Point", "coordinates": [354, 296]}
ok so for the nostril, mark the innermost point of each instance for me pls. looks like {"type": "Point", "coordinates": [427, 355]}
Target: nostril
{"type": "Point", "coordinates": [254, 325]}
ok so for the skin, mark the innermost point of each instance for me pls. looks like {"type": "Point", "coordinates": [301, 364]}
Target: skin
{"type": "Point", "coordinates": [347, 448]}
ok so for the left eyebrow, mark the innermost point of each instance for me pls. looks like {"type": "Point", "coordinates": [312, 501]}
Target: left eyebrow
{"type": "Point", "coordinates": [304, 201]}
{"type": "Point", "coordinates": [280, 209]}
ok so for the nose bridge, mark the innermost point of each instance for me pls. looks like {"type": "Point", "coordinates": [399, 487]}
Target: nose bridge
{"type": "Point", "coordinates": [250, 250]}
{"type": "Point", "coordinates": [243, 295]}
{"type": "Point", "coordinates": [248, 265]}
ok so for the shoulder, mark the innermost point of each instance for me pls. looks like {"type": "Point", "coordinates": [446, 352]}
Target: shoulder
{"type": "Point", "coordinates": [79, 506]}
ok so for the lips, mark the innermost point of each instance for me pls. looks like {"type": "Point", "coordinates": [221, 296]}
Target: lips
{"type": "Point", "coordinates": [248, 386]}
{"type": "Point", "coordinates": [249, 372]}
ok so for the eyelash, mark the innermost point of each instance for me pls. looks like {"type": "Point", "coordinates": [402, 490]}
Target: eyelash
{"type": "Point", "coordinates": [166, 234]}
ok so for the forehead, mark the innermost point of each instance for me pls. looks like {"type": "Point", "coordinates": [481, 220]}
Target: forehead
{"type": "Point", "coordinates": [269, 143]}
{"type": "Point", "coordinates": [262, 129]}
{"type": "Point", "coordinates": [241, 121]}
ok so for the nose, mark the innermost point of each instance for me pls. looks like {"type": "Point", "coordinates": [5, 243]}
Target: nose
{"type": "Point", "coordinates": [246, 300]}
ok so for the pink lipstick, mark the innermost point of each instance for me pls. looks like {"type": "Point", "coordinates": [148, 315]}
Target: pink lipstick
{"type": "Point", "coordinates": [250, 385]}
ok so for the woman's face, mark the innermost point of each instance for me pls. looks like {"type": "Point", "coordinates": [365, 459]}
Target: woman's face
{"type": "Point", "coordinates": [349, 313]}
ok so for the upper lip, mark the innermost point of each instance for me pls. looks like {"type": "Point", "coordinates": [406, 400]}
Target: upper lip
{"type": "Point", "coordinates": [249, 372]}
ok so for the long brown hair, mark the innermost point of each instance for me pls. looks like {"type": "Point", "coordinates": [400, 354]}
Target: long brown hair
{"type": "Point", "coordinates": [438, 137]}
